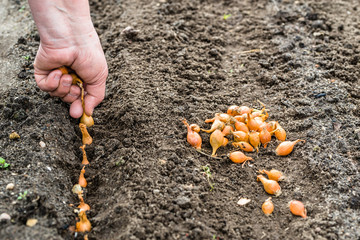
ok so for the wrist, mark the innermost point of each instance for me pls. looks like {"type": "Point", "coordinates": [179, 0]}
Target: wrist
{"type": "Point", "coordinates": [62, 23]}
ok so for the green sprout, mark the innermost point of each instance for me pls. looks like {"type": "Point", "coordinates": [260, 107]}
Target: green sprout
{"type": "Point", "coordinates": [22, 195]}
{"type": "Point", "coordinates": [26, 57]}
{"type": "Point", "coordinates": [22, 9]}
{"type": "Point", "coordinates": [316, 148]}
{"type": "Point", "coordinates": [226, 16]}
{"type": "Point", "coordinates": [3, 163]}
{"type": "Point", "coordinates": [207, 173]}
{"type": "Point", "coordinates": [120, 162]}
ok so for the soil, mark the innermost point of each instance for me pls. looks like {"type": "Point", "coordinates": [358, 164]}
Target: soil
{"type": "Point", "coordinates": [187, 61]}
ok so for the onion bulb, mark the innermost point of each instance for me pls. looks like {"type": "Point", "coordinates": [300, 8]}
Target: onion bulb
{"type": "Point", "coordinates": [83, 206]}
{"type": "Point", "coordinates": [84, 224]}
{"type": "Point", "coordinates": [243, 146]}
{"type": "Point", "coordinates": [297, 208]}
{"type": "Point", "coordinates": [267, 207]}
{"type": "Point", "coordinates": [195, 127]}
{"type": "Point", "coordinates": [286, 147]}
{"type": "Point", "coordinates": [273, 174]}
{"type": "Point", "coordinates": [84, 160]}
{"type": "Point", "coordinates": [225, 142]}
{"type": "Point", "coordinates": [86, 138]}
{"type": "Point", "coordinates": [87, 120]}
{"type": "Point", "coordinates": [244, 109]}
{"type": "Point", "coordinates": [240, 118]}
{"type": "Point", "coordinates": [265, 137]}
{"type": "Point", "coordinates": [240, 136]}
{"type": "Point", "coordinates": [252, 124]}
{"type": "Point", "coordinates": [227, 130]}
{"type": "Point", "coordinates": [193, 137]}
{"type": "Point", "coordinates": [280, 133]}
{"type": "Point", "coordinates": [239, 157]}
{"type": "Point", "coordinates": [240, 126]}
{"type": "Point", "coordinates": [270, 186]}
{"type": "Point", "coordinates": [216, 140]}
{"type": "Point", "coordinates": [254, 140]}
{"type": "Point", "coordinates": [233, 110]}
{"type": "Point", "coordinates": [217, 124]}
{"type": "Point", "coordinates": [82, 180]}
{"type": "Point", "coordinates": [224, 117]}
{"type": "Point", "coordinates": [63, 70]}
{"type": "Point", "coordinates": [271, 127]}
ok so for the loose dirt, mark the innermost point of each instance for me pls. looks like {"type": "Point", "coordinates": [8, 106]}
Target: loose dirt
{"type": "Point", "coordinates": [187, 61]}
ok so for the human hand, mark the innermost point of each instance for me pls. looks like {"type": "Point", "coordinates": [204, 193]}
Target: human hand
{"type": "Point", "coordinates": [68, 38]}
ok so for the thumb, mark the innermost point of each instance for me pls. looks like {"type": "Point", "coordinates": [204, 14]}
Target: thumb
{"type": "Point", "coordinates": [95, 93]}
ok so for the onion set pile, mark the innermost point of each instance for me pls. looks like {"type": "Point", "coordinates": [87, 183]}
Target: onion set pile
{"type": "Point", "coordinates": [83, 225]}
{"type": "Point", "coordinates": [247, 129]}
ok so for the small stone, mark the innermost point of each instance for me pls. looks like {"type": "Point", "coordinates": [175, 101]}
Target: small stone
{"type": "Point", "coordinates": [10, 186]}
{"type": "Point", "coordinates": [183, 202]}
{"type": "Point", "coordinates": [31, 222]}
{"type": "Point", "coordinates": [130, 32]}
{"type": "Point", "coordinates": [156, 191]}
{"type": "Point", "coordinates": [243, 201]}
{"type": "Point", "coordinates": [4, 216]}
{"type": "Point", "coordinates": [42, 144]}
{"type": "Point", "coordinates": [14, 136]}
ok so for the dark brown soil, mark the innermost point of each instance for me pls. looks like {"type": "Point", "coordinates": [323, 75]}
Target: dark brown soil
{"type": "Point", "coordinates": [145, 181]}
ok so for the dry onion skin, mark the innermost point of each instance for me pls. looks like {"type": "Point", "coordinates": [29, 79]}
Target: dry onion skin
{"type": "Point", "coordinates": [14, 135]}
{"type": "Point", "coordinates": [77, 189]}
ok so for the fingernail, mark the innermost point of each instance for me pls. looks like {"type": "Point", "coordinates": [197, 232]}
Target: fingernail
{"type": "Point", "coordinates": [57, 77]}
{"type": "Point", "coordinates": [72, 95]}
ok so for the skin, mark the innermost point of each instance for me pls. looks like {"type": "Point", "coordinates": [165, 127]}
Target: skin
{"type": "Point", "coordinates": [68, 38]}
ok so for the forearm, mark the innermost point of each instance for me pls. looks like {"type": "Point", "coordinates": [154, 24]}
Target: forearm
{"type": "Point", "coordinates": [62, 22]}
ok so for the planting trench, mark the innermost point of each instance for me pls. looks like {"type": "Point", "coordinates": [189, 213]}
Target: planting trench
{"type": "Point", "coordinates": [145, 181]}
